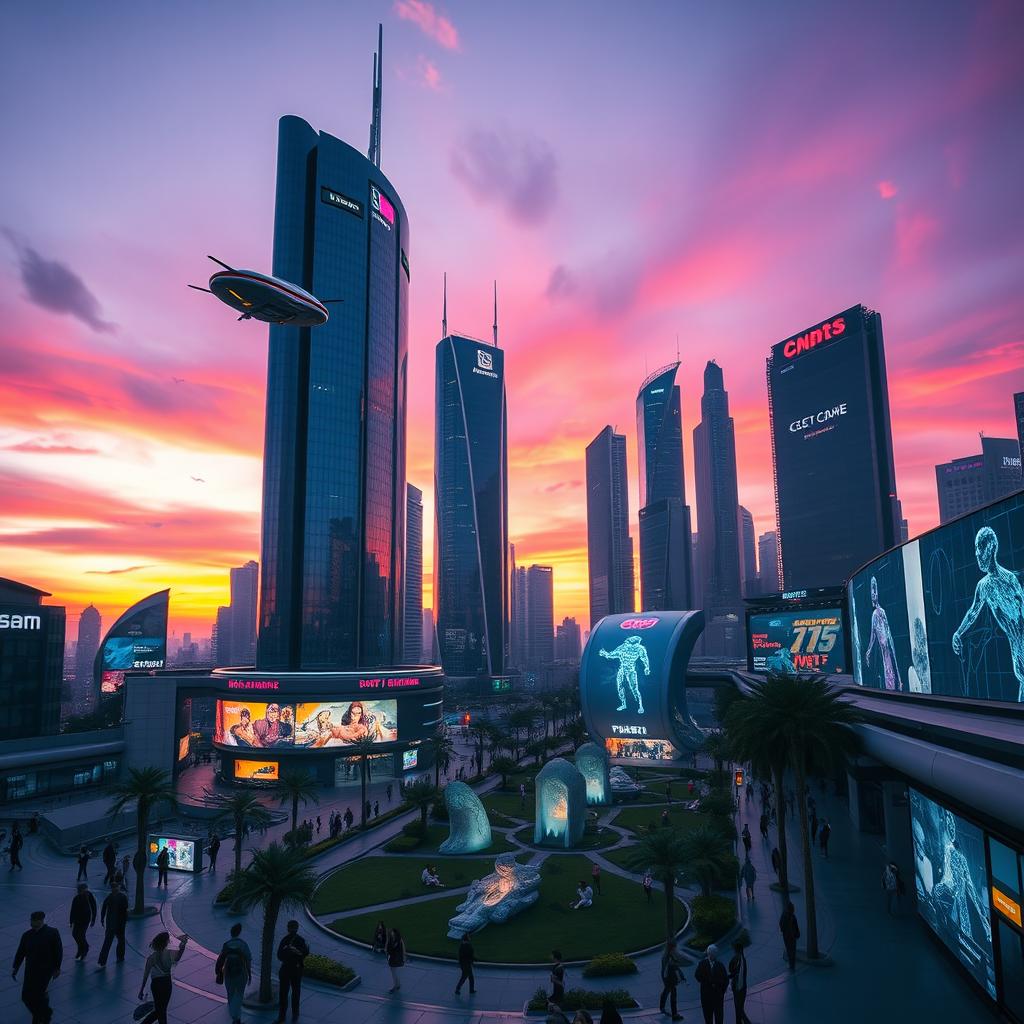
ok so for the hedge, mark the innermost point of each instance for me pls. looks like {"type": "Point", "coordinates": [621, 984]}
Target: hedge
{"type": "Point", "coordinates": [609, 964]}
{"type": "Point", "coordinates": [325, 969]}
{"type": "Point", "coordinates": [584, 999]}
{"type": "Point", "coordinates": [712, 917]}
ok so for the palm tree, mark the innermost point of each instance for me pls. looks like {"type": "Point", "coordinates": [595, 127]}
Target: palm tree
{"type": "Point", "coordinates": [144, 787]}
{"type": "Point", "coordinates": [481, 732]}
{"type": "Point", "coordinates": [521, 718]}
{"type": "Point", "coordinates": [663, 851]}
{"type": "Point", "coordinates": [708, 857]}
{"type": "Point", "coordinates": [716, 747]}
{"type": "Point", "coordinates": [242, 809]}
{"type": "Point", "coordinates": [538, 747]}
{"type": "Point", "coordinates": [575, 731]}
{"type": "Point", "coordinates": [441, 746]}
{"type": "Point", "coordinates": [362, 749]}
{"type": "Point", "coordinates": [420, 794]}
{"type": "Point", "coordinates": [296, 784]}
{"type": "Point", "coordinates": [276, 878]}
{"type": "Point", "coordinates": [504, 766]}
{"type": "Point", "coordinates": [811, 723]}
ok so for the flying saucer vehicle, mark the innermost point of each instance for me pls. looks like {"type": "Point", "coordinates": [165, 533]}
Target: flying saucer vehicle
{"type": "Point", "coordinates": [262, 297]}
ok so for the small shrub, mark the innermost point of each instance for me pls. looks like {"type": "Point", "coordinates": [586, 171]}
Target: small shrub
{"type": "Point", "coordinates": [712, 917]}
{"type": "Point", "coordinates": [325, 969]}
{"type": "Point", "coordinates": [439, 812]}
{"type": "Point", "coordinates": [414, 828]}
{"type": "Point", "coordinates": [584, 999]}
{"type": "Point", "coordinates": [609, 964]}
{"type": "Point", "coordinates": [327, 844]}
{"type": "Point", "coordinates": [226, 895]}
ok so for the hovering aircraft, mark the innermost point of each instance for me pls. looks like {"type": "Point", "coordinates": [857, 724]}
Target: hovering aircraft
{"type": "Point", "coordinates": [262, 297]}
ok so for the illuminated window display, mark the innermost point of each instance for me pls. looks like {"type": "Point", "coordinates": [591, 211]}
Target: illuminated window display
{"type": "Point", "coordinates": [592, 764]}
{"type": "Point", "coordinates": [561, 805]}
{"type": "Point", "coordinates": [257, 771]}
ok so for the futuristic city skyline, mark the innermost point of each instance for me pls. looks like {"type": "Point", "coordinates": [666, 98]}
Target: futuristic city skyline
{"type": "Point", "coordinates": [727, 177]}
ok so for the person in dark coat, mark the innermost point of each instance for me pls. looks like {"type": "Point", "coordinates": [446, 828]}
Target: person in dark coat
{"type": "Point", "coordinates": [671, 975]}
{"type": "Point", "coordinates": [790, 929]}
{"type": "Point", "coordinates": [109, 862]}
{"type": "Point", "coordinates": [466, 960]}
{"type": "Point", "coordinates": [211, 851]}
{"type": "Point", "coordinates": [41, 951]}
{"type": "Point", "coordinates": [738, 982]}
{"type": "Point", "coordinates": [113, 917]}
{"type": "Point", "coordinates": [713, 979]}
{"type": "Point", "coordinates": [776, 860]}
{"type": "Point", "coordinates": [83, 864]}
{"type": "Point", "coordinates": [557, 978]}
{"type": "Point", "coordinates": [824, 835]}
{"type": "Point", "coordinates": [83, 917]}
{"type": "Point", "coordinates": [163, 862]}
{"type": "Point", "coordinates": [17, 842]}
{"type": "Point", "coordinates": [292, 952]}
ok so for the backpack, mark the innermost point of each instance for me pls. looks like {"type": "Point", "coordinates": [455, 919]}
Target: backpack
{"type": "Point", "coordinates": [234, 961]}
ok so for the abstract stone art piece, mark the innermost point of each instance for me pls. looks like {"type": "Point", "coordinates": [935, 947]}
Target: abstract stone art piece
{"type": "Point", "coordinates": [470, 830]}
{"type": "Point", "coordinates": [592, 764]}
{"type": "Point", "coordinates": [496, 897]}
{"type": "Point", "coordinates": [561, 807]}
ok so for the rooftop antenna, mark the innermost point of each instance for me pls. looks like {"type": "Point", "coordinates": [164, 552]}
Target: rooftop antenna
{"type": "Point", "coordinates": [677, 348]}
{"type": "Point", "coordinates": [444, 308]}
{"type": "Point", "coordinates": [495, 327]}
{"type": "Point", "coordinates": [373, 153]}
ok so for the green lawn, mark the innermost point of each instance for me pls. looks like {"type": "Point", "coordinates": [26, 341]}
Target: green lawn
{"type": "Point", "coordinates": [589, 840]}
{"type": "Point", "coordinates": [508, 804]}
{"type": "Point", "coordinates": [436, 835]}
{"type": "Point", "coordinates": [377, 879]}
{"type": "Point", "coordinates": [620, 920]}
{"type": "Point", "coordinates": [637, 818]}
{"type": "Point", "coordinates": [655, 791]}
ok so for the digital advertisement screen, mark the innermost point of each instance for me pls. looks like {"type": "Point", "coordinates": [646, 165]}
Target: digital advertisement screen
{"type": "Point", "coordinates": [245, 723]}
{"type": "Point", "coordinates": [944, 614]}
{"type": "Point", "coordinates": [257, 771]}
{"type": "Point", "coordinates": [137, 641]}
{"type": "Point", "coordinates": [410, 758]}
{"type": "Point", "coordinates": [183, 748]}
{"type": "Point", "coordinates": [825, 464]}
{"type": "Point", "coordinates": [950, 877]}
{"type": "Point", "coordinates": [646, 749]}
{"type": "Point", "coordinates": [182, 852]}
{"type": "Point", "coordinates": [799, 641]}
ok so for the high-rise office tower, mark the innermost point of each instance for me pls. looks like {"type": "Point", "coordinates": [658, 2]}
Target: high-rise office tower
{"type": "Point", "coordinates": [220, 638]}
{"type": "Point", "coordinates": [90, 625]}
{"type": "Point", "coordinates": [768, 561]}
{"type": "Point", "coordinates": [748, 552]}
{"type": "Point", "coordinates": [609, 546]}
{"type": "Point", "coordinates": [517, 613]}
{"type": "Point", "coordinates": [413, 617]}
{"type": "Point", "coordinates": [244, 585]}
{"type": "Point", "coordinates": [540, 616]}
{"type": "Point", "coordinates": [714, 460]}
{"type": "Point", "coordinates": [567, 642]}
{"type": "Point", "coordinates": [430, 654]}
{"type": "Point", "coordinates": [975, 480]}
{"type": "Point", "coordinates": [334, 463]}
{"type": "Point", "coordinates": [835, 484]}
{"type": "Point", "coordinates": [471, 495]}
{"type": "Point", "coordinates": [1018, 415]}
{"type": "Point", "coordinates": [665, 546]}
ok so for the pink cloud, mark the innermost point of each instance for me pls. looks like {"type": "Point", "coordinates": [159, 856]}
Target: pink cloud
{"type": "Point", "coordinates": [430, 74]}
{"type": "Point", "coordinates": [432, 24]}
{"type": "Point", "coordinates": [886, 189]}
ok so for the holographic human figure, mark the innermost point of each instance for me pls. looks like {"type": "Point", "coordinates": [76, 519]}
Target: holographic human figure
{"type": "Point", "coordinates": [781, 661]}
{"type": "Point", "coordinates": [1001, 591]}
{"type": "Point", "coordinates": [956, 892]}
{"type": "Point", "coordinates": [882, 635]}
{"type": "Point", "coordinates": [919, 677]}
{"type": "Point", "coordinates": [627, 654]}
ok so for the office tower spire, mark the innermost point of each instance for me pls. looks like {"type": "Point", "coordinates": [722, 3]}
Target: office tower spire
{"type": "Point", "coordinates": [495, 327]}
{"type": "Point", "coordinates": [444, 306]}
{"type": "Point", "coordinates": [373, 153]}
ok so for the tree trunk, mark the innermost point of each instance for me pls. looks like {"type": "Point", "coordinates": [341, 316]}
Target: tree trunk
{"type": "Point", "coordinates": [778, 775]}
{"type": "Point", "coordinates": [437, 770]}
{"type": "Point", "coordinates": [142, 811]}
{"type": "Point", "coordinates": [273, 908]}
{"type": "Point", "coordinates": [295, 812]}
{"type": "Point", "coordinates": [670, 907]}
{"type": "Point", "coordinates": [805, 840]}
{"type": "Point", "coordinates": [239, 829]}
{"type": "Point", "coordinates": [362, 790]}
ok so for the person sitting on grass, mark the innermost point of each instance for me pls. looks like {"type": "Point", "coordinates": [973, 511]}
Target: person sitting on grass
{"type": "Point", "coordinates": [430, 878]}
{"type": "Point", "coordinates": [584, 897]}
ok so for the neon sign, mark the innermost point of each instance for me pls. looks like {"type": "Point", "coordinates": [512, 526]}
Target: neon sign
{"type": "Point", "coordinates": [805, 342]}
{"type": "Point", "coordinates": [639, 623]}
{"type": "Point", "coordinates": [254, 684]}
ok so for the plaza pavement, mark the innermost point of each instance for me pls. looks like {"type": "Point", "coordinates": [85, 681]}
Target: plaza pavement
{"type": "Point", "coordinates": [884, 968]}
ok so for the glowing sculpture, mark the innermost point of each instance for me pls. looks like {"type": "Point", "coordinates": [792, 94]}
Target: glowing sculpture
{"type": "Point", "coordinates": [496, 897]}
{"type": "Point", "coordinates": [470, 831]}
{"type": "Point", "coordinates": [561, 808]}
{"type": "Point", "coordinates": [592, 764]}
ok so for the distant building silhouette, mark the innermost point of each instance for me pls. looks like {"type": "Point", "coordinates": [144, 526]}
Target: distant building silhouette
{"type": "Point", "coordinates": [90, 627]}
{"type": "Point", "coordinates": [768, 560]}
{"type": "Point", "coordinates": [540, 616]}
{"type": "Point", "coordinates": [568, 647]}
{"type": "Point", "coordinates": [748, 552]}
{"type": "Point", "coordinates": [975, 480]}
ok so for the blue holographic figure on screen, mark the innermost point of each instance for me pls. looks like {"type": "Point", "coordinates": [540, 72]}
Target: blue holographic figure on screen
{"type": "Point", "coordinates": [628, 653]}
{"type": "Point", "coordinates": [1001, 591]}
{"type": "Point", "coordinates": [881, 636]}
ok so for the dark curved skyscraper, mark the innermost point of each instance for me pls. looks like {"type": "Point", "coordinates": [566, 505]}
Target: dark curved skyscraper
{"type": "Point", "coordinates": [334, 465]}
{"type": "Point", "coordinates": [471, 495]}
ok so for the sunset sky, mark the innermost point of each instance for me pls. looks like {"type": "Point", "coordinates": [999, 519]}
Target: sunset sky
{"type": "Point", "coordinates": [630, 173]}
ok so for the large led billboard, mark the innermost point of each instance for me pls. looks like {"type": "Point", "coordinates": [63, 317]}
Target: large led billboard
{"type": "Point", "coordinates": [257, 771]}
{"type": "Point", "coordinates": [311, 724]}
{"type": "Point", "coordinates": [645, 750]}
{"type": "Point", "coordinates": [951, 881]}
{"type": "Point", "coordinates": [797, 641]}
{"type": "Point", "coordinates": [181, 852]}
{"type": "Point", "coordinates": [137, 641]}
{"type": "Point", "coordinates": [944, 614]}
{"type": "Point", "coordinates": [832, 449]}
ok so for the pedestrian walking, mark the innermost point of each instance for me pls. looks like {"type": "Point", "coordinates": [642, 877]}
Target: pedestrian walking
{"type": "Point", "coordinates": [790, 929]}
{"type": "Point", "coordinates": [595, 878]}
{"type": "Point", "coordinates": [396, 957]}
{"type": "Point", "coordinates": [376, 808]}
{"type": "Point", "coordinates": [159, 965]}
{"type": "Point", "coordinates": [349, 817]}
{"type": "Point", "coordinates": [823, 837]}
{"type": "Point", "coordinates": [17, 842]}
{"type": "Point", "coordinates": [41, 951]}
{"type": "Point", "coordinates": [738, 982]}
{"type": "Point", "coordinates": [557, 978]}
{"type": "Point", "coordinates": [83, 864]}
{"type": "Point", "coordinates": [745, 836]}
{"type": "Point", "coordinates": [163, 862]}
{"type": "Point", "coordinates": [748, 875]}
{"type": "Point", "coordinates": [380, 938]}
{"type": "Point", "coordinates": [318, 824]}
{"type": "Point", "coordinates": [764, 826]}
{"type": "Point", "coordinates": [212, 850]}
{"type": "Point", "coordinates": [776, 861]}
{"type": "Point", "coordinates": [82, 918]}
{"type": "Point", "coordinates": [113, 917]}
{"type": "Point", "coordinates": [368, 809]}
{"type": "Point", "coordinates": [109, 862]}
{"type": "Point", "coordinates": [292, 952]}
{"type": "Point", "coordinates": [125, 864]}
{"type": "Point", "coordinates": [671, 975]}
{"type": "Point", "coordinates": [234, 971]}
{"type": "Point", "coordinates": [890, 886]}
{"type": "Point", "coordinates": [466, 960]}
{"type": "Point", "coordinates": [388, 791]}
{"type": "Point", "coordinates": [648, 884]}
{"type": "Point", "coordinates": [713, 979]}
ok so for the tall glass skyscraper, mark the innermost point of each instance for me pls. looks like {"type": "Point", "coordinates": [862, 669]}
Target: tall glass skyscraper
{"type": "Point", "coordinates": [334, 496]}
{"type": "Point", "coordinates": [665, 570]}
{"type": "Point", "coordinates": [609, 546]}
{"type": "Point", "coordinates": [471, 496]}
{"type": "Point", "coordinates": [413, 576]}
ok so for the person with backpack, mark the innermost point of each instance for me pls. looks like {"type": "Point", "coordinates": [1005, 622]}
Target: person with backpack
{"type": "Point", "coordinates": [234, 971]}
{"type": "Point", "coordinates": [292, 952]}
{"type": "Point", "coordinates": [671, 975]}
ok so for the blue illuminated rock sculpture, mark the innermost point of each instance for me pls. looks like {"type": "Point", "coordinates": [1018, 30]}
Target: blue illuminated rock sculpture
{"type": "Point", "coordinates": [592, 764]}
{"type": "Point", "coordinates": [561, 808]}
{"type": "Point", "coordinates": [470, 830]}
{"type": "Point", "coordinates": [496, 897]}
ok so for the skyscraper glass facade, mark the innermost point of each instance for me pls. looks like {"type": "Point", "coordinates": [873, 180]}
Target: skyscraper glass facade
{"type": "Point", "coordinates": [413, 624]}
{"type": "Point", "coordinates": [334, 466]}
{"type": "Point", "coordinates": [471, 496]}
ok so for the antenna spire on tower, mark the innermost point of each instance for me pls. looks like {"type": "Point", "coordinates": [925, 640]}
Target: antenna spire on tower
{"type": "Point", "coordinates": [444, 307]}
{"type": "Point", "coordinates": [495, 327]}
{"type": "Point", "coordinates": [373, 153]}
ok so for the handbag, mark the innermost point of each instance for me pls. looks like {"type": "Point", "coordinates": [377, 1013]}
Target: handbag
{"type": "Point", "coordinates": [143, 1009]}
